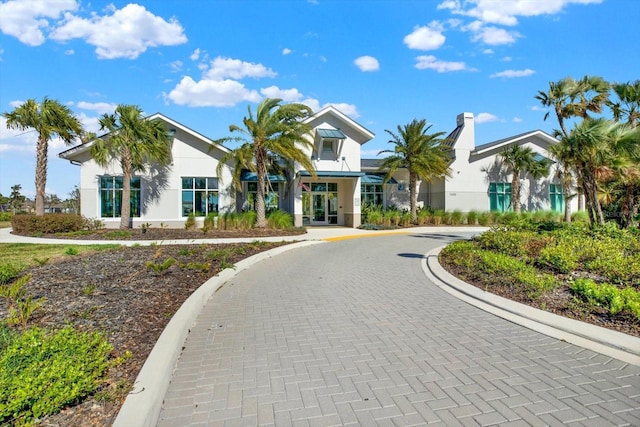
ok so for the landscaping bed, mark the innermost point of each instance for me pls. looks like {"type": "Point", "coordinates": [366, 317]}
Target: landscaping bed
{"type": "Point", "coordinates": [127, 294]}
{"type": "Point", "coordinates": [589, 276]}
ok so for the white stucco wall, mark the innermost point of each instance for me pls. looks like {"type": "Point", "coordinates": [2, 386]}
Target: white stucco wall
{"type": "Point", "coordinates": [161, 188]}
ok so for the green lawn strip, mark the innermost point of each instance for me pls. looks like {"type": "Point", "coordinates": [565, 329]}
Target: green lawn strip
{"type": "Point", "coordinates": [28, 254]}
{"type": "Point", "coordinates": [5, 224]}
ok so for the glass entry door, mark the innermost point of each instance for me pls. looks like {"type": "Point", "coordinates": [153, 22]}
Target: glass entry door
{"type": "Point", "coordinates": [319, 203]}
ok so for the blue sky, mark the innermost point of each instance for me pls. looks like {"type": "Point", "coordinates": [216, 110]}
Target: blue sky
{"type": "Point", "coordinates": [382, 62]}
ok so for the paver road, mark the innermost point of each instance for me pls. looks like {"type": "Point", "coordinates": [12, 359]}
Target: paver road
{"type": "Point", "coordinates": [352, 333]}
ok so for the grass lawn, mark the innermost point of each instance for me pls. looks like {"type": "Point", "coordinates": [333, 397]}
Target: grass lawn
{"type": "Point", "coordinates": [5, 224]}
{"type": "Point", "coordinates": [27, 254]}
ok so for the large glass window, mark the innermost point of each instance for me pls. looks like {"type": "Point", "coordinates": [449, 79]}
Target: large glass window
{"type": "Point", "coordinates": [556, 197]}
{"type": "Point", "coordinates": [372, 194]}
{"type": "Point", "coordinates": [499, 196]}
{"type": "Point", "coordinates": [271, 196]}
{"type": "Point", "coordinates": [199, 196]}
{"type": "Point", "coordinates": [111, 196]}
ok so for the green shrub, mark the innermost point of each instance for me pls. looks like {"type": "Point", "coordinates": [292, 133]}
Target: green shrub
{"type": "Point", "coordinates": [509, 242]}
{"type": "Point", "coordinates": [280, 220]}
{"type": "Point", "coordinates": [237, 221]}
{"type": "Point", "coordinates": [560, 257]}
{"type": "Point", "coordinates": [118, 234]}
{"type": "Point", "coordinates": [472, 217]}
{"type": "Point", "coordinates": [423, 216]}
{"type": "Point", "coordinates": [374, 217]}
{"type": "Point", "coordinates": [190, 223]}
{"type": "Point", "coordinates": [457, 217]}
{"type": "Point", "coordinates": [580, 216]}
{"type": "Point", "coordinates": [438, 217]}
{"type": "Point", "coordinates": [47, 224]}
{"type": "Point", "coordinates": [42, 372]}
{"type": "Point", "coordinates": [485, 219]}
{"type": "Point", "coordinates": [5, 216]}
{"type": "Point", "coordinates": [608, 296]}
{"type": "Point", "coordinates": [9, 272]}
{"type": "Point", "coordinates": [210, 221]}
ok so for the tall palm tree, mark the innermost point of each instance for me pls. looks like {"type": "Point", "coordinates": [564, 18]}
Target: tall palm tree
{"type": "Point", "coordinates": [522, 160]}
{"type": "Point", "coordinates": [135, 142]}
{"type": "Point", "coordinates": [422, 154]}
{"type": "Point", "coordinates": [628, 104]}
{"type": "Point", "coordinates": [566, 176]}
{"type": "Point", "coordinates": [49, 119]}
{"type": "Point", "coordinates": [274, 137]}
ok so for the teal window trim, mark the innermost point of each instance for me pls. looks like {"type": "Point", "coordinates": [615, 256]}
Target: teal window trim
{"type": "Point", "coordinates": [199, 196]}
{"type": "Point", "coordinates": [111, 196]}
{"type": "Point", "coordinates": [556, 197]}
{"type": "Point", "coordinates": [499, 196]}
{"type": "Point", "coordinates": [372, 194]}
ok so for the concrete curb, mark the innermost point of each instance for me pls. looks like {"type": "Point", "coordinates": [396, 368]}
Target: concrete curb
{"type": "Point", "coordinates": [143, 404]}
{"type": "Point", "coordinates": [605, 341]}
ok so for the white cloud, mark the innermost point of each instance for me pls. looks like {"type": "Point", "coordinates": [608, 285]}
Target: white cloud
{"type": "Point", "coordinates": [176, 66]}
{"type": "Point", "coordinates": [195, 55]}
{"type": "Point", "coordinates": [367, 63]}
{"type": "Point", "coordinates": [98, 107]}
{"type": "Point", "coordinates": [312, 103]}
{"type": "Point", "coordinates": [211, 93]}
{"type": "Point", "coordinates": [127, 33]}
{"type": "Point", "coordinates": [222, 68]}
{"type": "Point", "coordinates": [513, 73]}
{"type": "Point", "coordinates": [286, 51]}
{"type": "Point", "coordinates": [426, 38]}
{"type": "Point", "coordinates": [488, 52]}
{"type": "Point", "coordinates": [517, 120]}
{"type": "Point", "coordinates": [495, 36]}
{"type": "Point", "coordinates": [69, 52]}
{"type": "Point", "coordinates": [430, 62]}
{"type": "Point", "coordinates": [486, 118]}
{"type": "Point", "coordinates": [288, 95]}
{"type": "Point", "coordinates": [25, 19]}
{"type": "Point", "coordinates": [506, 59]}
{"type": "Point", "coordinates": [348, 109]}
{"type": "Point", "coordinates": [507, 12]}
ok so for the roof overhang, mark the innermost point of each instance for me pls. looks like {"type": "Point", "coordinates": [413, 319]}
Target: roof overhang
{"type": "Point", "coordinates": [333, 174]}
{"type": "Point", "coordinates": [249, 176]}
{"type": "Point", "coordinates": [331, 134]}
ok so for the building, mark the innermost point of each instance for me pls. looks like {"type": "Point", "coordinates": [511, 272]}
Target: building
{"type": "Point", "coordinates": [191, 185]}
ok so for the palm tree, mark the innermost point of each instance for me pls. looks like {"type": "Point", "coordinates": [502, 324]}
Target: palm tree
{"type": "Point", "coordinates": [522, 159]}
{"type": "Point", "coordinates": [271, 139]}
{"type": "Point", "coordinates": [135, 142]}
{"type": "Point", "coordinates": [49, 119]}
{"type": "Point", "coordinates": [566, 176]}
{"type": "Point", "coordinates": [628, 104]}
{"type": "Point", "coordinates": [422, 154]}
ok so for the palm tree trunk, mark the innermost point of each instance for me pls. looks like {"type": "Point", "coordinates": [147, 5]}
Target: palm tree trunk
{"type": "Point", "coordinates": [41, 174]}
{"type": "Point", "coordinates": [515, 191]}
{"type": "Point", "coordinates": [125, 205]}
{"type": "Point", "coordinates": [413, 195]}
{"type": "Point", "coordinates": [261, 220]}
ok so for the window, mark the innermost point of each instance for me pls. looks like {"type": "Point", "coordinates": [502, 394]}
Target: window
{"type": "Point", "coordinates": [199, 196]}
{"type": "Point", "coordinates": [271, 196]}
{"type": "Point", "coordinates": [327, 149]}
{"type": "Point", "coordinates": [371, 194]}
{"type": "Point", "coordinates": [499, 196]}
{"type": "Point", "coordinates": [556, 197]}
{"type": "Point", "coordinates": [111, 196]}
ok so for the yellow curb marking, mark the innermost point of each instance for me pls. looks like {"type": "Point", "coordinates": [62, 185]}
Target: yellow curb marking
{"type": "Point", "coordinates": [357, 236]}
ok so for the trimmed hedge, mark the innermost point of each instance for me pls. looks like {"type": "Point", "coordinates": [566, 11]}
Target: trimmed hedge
{"type": "Point", "coordinates": [47, 224]}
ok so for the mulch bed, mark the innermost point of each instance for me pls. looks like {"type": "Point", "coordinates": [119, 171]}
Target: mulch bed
{"type": "Point", "coordinates": [561, 301]}
{"type": "Point", "coordinates": [114, 292]}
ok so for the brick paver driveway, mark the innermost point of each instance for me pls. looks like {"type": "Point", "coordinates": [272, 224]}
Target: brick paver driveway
{"type": "Point", "coordinates": [351, 332]}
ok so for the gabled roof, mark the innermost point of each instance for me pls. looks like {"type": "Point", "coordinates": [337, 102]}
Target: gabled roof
{"type": "Point", "coordinates": [370, 163]}
{"type": "Point", "coordinates": [365, 133]}
{"type": "Point", "coordinates": [452, 138]}
{"type": "Point", "coordinates": [514, 139]}
{"type": "Point", "coordinates": [78, 149]}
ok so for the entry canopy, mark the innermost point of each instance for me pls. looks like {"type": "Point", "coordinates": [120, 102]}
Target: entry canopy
{"type": "Point", "coordinates": [334, 174]}
{"type": "Point", "coordinates": [376, 179]}
{"type": "Point", "coordinates": [331, 134]}
{"type": "Point", "coordinates": [247, 175]}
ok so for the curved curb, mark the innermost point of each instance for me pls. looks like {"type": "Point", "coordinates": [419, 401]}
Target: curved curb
{"type": "Point", "coordinates": [605, 341]}
{"type": "Point", "coordinates": [143, 404]}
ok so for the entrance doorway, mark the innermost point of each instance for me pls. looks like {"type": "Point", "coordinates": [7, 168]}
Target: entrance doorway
{"type": "Point", "coordinates": [320, 203]}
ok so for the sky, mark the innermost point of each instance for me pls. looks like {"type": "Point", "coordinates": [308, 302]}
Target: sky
{"type": "Point", "coordinates": [383, 63]}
